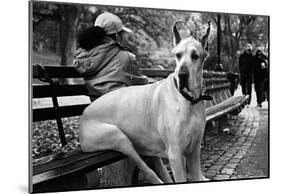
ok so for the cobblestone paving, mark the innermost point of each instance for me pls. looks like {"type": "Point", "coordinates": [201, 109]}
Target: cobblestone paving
{"type": "Point", "coordinates": [255, 163]}
{"type": "Point", "coordinates": [222, 153]}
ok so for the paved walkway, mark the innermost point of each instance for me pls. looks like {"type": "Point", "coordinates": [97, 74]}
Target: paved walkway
{"type": "Point", "coordinates": [242, 152]}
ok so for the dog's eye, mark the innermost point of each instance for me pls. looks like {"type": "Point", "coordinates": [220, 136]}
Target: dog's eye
{"type": "Point", "coordinates": [194, 56]}
{"type": "Point", "coordinates": [178, 55]}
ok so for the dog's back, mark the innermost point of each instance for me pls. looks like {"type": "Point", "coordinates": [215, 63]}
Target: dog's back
{"type": "Point", "coordinates": [134, 110]}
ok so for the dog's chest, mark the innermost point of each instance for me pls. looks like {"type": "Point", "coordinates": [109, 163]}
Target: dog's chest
{"type": "Point", "coordinates": [191, 127]}
{"type": "Point", "coordinates": [197, 116]}
{"type": "Point", "coordinates": [194, 116]}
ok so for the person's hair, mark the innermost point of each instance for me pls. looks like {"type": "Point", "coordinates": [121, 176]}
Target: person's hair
{"type": "Point", "coordinates": [112, 36]}
{"type": "Point", "coordinates": [90, 37]}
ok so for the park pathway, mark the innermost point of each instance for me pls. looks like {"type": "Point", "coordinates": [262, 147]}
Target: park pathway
{"type": "Point", "coordinates": [242, 152]}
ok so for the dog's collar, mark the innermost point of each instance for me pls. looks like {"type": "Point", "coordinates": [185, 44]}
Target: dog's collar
{"type": "Point", "coordinates": [190, 98]}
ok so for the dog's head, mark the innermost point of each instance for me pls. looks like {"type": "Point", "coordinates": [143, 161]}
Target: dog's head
{"type": "Point", "coordinates": [190, 56]}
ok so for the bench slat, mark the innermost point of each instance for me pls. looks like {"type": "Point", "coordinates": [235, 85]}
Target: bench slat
{"type": "Point", "coordinates": [92, 161]}
{"type": "Point", "coordinates": [156, 73]}
{"type": "Point", "coordinates": [70, 72]}
{"type": "Point", "coordinates": [57, 72]}
{"type": "Point", "coordinates": [42, 91]}
{"type": "Point", "coordinates": [64, 111]}
{"type": "Point", "coordinates": [55, 161]}
{"type": "Point", "coordinates": [226, 107]}
{"type": "Point", "coordinates": [223, 105]}
{"type": "Point", "coordinates": [212, 89]}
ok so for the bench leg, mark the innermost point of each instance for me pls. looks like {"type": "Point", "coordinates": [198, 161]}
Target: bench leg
{"type": "Point", "coordinates": [120, 173]}
{"type": "Point", "coordinates": [217, 125]}
{"type": "Point", "coordinates": [93, 179]}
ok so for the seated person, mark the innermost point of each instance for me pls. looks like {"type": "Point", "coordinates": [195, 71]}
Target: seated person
{"type": "Point", "coordinates": [101, 58]}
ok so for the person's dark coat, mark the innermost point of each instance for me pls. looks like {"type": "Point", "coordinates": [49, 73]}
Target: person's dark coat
{"type": "Point", "coordinates": [260, 67]}
{"type": "Point", "coordinates": [260, 75]}
{"type": "Point", "coordinates": [107, 67]}
{"type": "Point", "coordinates": [246, 65]}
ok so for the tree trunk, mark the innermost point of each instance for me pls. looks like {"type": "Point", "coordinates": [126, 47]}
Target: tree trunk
{"type": "Point", "coordinates": [67, 29]}
{"type": "Point", "coordinates": [219, 39]}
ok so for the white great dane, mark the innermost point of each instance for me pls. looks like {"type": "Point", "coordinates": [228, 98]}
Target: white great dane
{"type": "Point", "coordinates": [164, 119]}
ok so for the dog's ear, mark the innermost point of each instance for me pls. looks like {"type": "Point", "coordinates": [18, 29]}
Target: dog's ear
{"type": "Point", "coordinates": [177, 37]}
{"type": "Point", "coordinates": [204, 41]}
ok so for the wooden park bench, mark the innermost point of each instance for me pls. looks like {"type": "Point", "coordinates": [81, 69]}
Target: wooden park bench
{"type": "Point", "coordinates": [52, 170]}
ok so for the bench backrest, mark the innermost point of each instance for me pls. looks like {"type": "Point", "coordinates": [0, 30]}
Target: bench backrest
{"type": "Point", "coordinates": [217, 85]}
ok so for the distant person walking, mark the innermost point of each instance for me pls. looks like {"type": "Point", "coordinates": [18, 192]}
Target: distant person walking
{"type": "Point", "coordinates": [266, 84]}
{"type": "Point", "coordinates": [246, 65]}
{"type": "Point", "coordinates": [103, 60]}
{"type": "Point", "coordinates": [260, 75]}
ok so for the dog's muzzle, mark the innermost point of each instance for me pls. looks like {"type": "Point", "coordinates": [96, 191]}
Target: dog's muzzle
{"type": "Point", "coordinates": [192, 99]}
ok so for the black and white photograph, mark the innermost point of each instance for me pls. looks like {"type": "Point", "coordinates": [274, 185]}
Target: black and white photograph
{"type": "Point", "coordinates": [124, 96]}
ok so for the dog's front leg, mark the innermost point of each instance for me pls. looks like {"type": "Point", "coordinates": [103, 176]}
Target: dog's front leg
{"type": "Point", "coordinates": [161, 170]}
{"type": "Point", "coordinates": [177, 164]}
{"type": "Point", "coordinates": [194, 165]}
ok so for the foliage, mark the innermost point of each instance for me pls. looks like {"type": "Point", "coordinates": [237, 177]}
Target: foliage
{"type": "Point", "coordinates": [45, 137]}
{"type": "Point", "coordinates": [152, 38]}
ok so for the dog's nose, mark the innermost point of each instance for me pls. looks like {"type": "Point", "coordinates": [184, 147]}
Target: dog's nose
{"type": "Point", "coordinates": [184, 69]}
